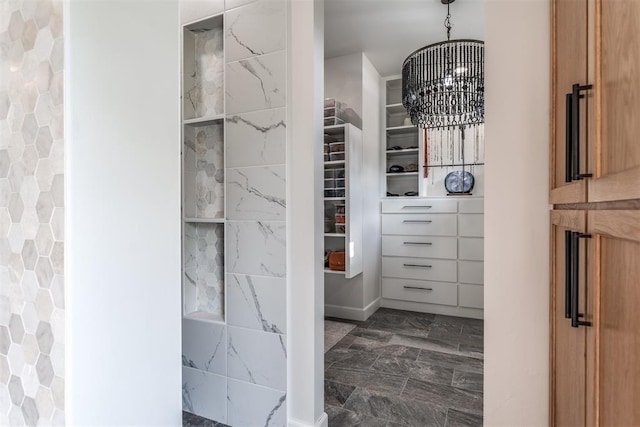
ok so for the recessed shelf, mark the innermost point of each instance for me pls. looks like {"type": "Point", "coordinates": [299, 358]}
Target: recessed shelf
{"type": "Point", "coordinates": [334, 162]}
{"type": "Point", "coordinates": [334, 234]}
{"type": "Point", "coordinates": [398, 130]}
{"type": "Point", "coordinates": [204, 220]}
{"type": "Point", "coordinates": [403, 174]}
{"type": "Point", "coordinates": [404, 151]}
{"type": "Point", "coordinates": [203, 121]}
{"type": "Point", "coordinates": [334, 198]}
{"type": "Point", "coordinates": [204, 316]}
{"type": "Point", "coordinates": [396, 109]}
{"type": "Point", "coordinates": [334, 271]}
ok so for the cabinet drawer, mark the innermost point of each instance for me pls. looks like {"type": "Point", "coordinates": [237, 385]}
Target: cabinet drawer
{"type": "Point", "coordinates": [471, 225]}
{"type": "Point", "coordinates": [471, 249]}
{"type": "Point", "coordinates": [471, 272]}
{"type": "Point", "coordinates": [420, 291]}
{"type": "Point", "coordinates": [420, 206]}
{"type": "Point", "coordinates": [419, 269]}
{"type": "Point", "coordinates": [420, 224]}
{"type": "Point", "coordinates": [471, 206]}
{"type": "Point", "coordinates": [471, 296]}
{"type": "Point", "coordinates": [420, 246]}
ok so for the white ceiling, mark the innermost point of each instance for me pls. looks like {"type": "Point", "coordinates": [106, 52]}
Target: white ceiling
{"type": "Point", "coordinates": [387, 31]}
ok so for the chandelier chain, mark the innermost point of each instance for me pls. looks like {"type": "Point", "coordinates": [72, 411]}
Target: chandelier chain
{"type": "Point", "coordinates": [447, 23]}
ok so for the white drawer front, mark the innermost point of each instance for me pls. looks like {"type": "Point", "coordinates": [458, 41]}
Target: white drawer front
{"type": "Point", "coordinates": [419, 269]}
{"type": "Point", "coordinates": [420, 206]}
{"type": "Point", "coordinates": [420, 246]}
{"type": "Point", "coordinates": [420, 291]}
{"type": "Point", "coordinates": [471, 225]}
{"type": "Point", "coordinates": [471, 206]}
{"type": "Point", "coordinates": [471, 249]}
{"type": "Point", "coordinates": [471, 296]}
{"type": "Point", "coordinates": [420, 225]}
{"type": "Point", "coordinates": [471, 272]}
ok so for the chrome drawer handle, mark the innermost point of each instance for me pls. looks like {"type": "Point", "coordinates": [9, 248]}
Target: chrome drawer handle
{"type": "Point", "coordinates": [417, 243]}
{"type": "Point", "coordinates": [419, 207]}
{"type": "Point", "coordinates": [423, 221]}
{"type": "Point", "coordinates": [418, 288]}
{"type": "Point", "coordinates": [417, 265]}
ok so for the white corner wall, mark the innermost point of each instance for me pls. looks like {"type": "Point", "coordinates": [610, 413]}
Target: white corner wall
{"type": "Point", "coordinates": [516, 213]}
{"type": "Point", "coordinates": [123, 213]}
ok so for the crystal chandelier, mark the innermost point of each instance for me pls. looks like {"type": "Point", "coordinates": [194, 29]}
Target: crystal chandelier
{"type": "Point", "coordinates": [443, 83]}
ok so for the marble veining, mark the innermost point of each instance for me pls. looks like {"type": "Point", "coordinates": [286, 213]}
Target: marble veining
{"type": "Point", "coordinates": [256, 247]}
{"type": "Point", "coordinates": [256, 302]}
{"type": "Point", "coordinates": [256, 193]}
{"type": "Point", "coordinates": [256, 83]}
{"type": "Point", "coordinates": [257, 357]}
{"type": "Point", "coordinates": [204, 394]}
{"type": "Point", "coordinates": [253, 405]}
{"type": "Point", "coordinates": [204, 80]}
{"type": "Point", "coordinates": [256, 139]}
{"type": "Point", "coordinates": [204, 346]}
{"type": "Point", "coordinates": [256, 29]}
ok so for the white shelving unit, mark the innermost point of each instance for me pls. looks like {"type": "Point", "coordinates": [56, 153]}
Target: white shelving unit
{"type": "Point", "coordinates": [402, 146]}
{"type": "Point", "coordinates": [343, 200]}
{"type": "Point", "coordinates": [203, 184]}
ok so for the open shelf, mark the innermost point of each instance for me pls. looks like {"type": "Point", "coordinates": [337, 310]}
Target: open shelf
{"type": "Point", "coordinates": [204, 220]}
{"type": "Point", "coordinates": [334, 271]}
{"type": "Point", "coordinates": [334, 235]}
{"type": "Point", "coordinates": [204, 316]}
{"type": "Point", "coordinates": [204, 121]}
{"type": "Point", "coordinates": [396, 130]}
{"type": "Point", "coordinates": [335, 199]}
{"type": "Point", "coordinates": [334, 162]}
{"type": "Point", "coordinates": [403, 151]}
{"type": "Point", "coordinates": [403, 174]}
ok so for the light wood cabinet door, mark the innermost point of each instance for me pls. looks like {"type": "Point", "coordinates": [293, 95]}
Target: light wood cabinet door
{"type": "Point", "coordinates": [614, 374]}
{"type": "Point", "coordinates": [569, 67]}
{"type": "Point", "coordinates": [568, 344]}
{"type": "Point", "coordinates": [617, 74]}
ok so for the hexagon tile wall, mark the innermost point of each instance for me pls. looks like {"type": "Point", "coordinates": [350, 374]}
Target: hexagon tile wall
{"type": "Point", "coordinates": [31, 213]}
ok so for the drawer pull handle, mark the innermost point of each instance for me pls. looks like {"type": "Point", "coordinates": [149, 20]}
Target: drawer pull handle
{"type": "Point", "coordinates": [418, 288]}
{"type": "Point", "coordinates": [417, 243]}
{"type": "Point", "coordinates": [417, 265]}
{"type": "Point", "coordinates": [417, 207]}
{"type": "Point", "coordinates": [422, 221]}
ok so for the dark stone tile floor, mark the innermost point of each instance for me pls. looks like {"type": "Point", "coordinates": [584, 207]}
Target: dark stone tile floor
{"type": "Point", "coordinates": [191, 420]}
{"type": "Point", "coordinates": [401, 368]}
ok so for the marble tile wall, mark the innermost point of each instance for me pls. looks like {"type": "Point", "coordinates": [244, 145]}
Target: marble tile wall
{"type": "Point", "coordinates": [31, 213]}
{"type": "Point", "coordinates": [254, 356]}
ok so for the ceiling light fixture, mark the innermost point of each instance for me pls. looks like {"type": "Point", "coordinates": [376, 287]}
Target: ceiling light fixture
{"type": "Point", "coordinates": [443, 83]}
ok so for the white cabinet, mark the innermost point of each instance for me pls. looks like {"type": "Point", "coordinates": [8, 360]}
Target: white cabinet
{"type": "Point", "coordinates": [432, 255]}
{"type": "Point", "coordinates": [402, 148]}
{"type": "Point", "coordinates": [342, 198]}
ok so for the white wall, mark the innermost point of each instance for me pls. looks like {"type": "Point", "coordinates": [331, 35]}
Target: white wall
{"type": "Point", "coordinates": [305, 290]}
{"type": "Point", "coordinates": [343, 80]}
{"type": "Point", "coordinates": [516, 213]}
{"type": "Point", "coordinates": [371, 240]}
{"type": "Point", "coordinates": [123, 217]}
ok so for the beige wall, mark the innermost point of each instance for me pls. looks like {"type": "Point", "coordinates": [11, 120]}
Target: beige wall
{"type": "Point", "coordinates": [32, 300]}
{"type": "Point", "coordinates": [516, 218]}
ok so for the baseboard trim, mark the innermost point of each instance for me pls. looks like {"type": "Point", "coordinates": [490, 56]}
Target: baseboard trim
{"type": "Point", "coordinates": [351, 313]}
{"type": "Point", "coordinates": [323, 421]}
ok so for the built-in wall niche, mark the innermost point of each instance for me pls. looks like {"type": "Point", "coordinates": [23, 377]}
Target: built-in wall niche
{"type": "Point", "coordinates": [203, 170]}
{"type": "Point", "coordinates": [203, 271]}
{"type": "Point", "coordinates": [203, 69]}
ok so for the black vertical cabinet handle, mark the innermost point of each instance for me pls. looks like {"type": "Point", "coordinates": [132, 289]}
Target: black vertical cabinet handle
{"type": "Point", "coordinates": [575, 280]}
{"type": "Point", "coordinates": [568, 272]}
{"type": "Point", "coordinates": [575, 132]}
{"type": "Point", "coordinates": [568, 156]}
